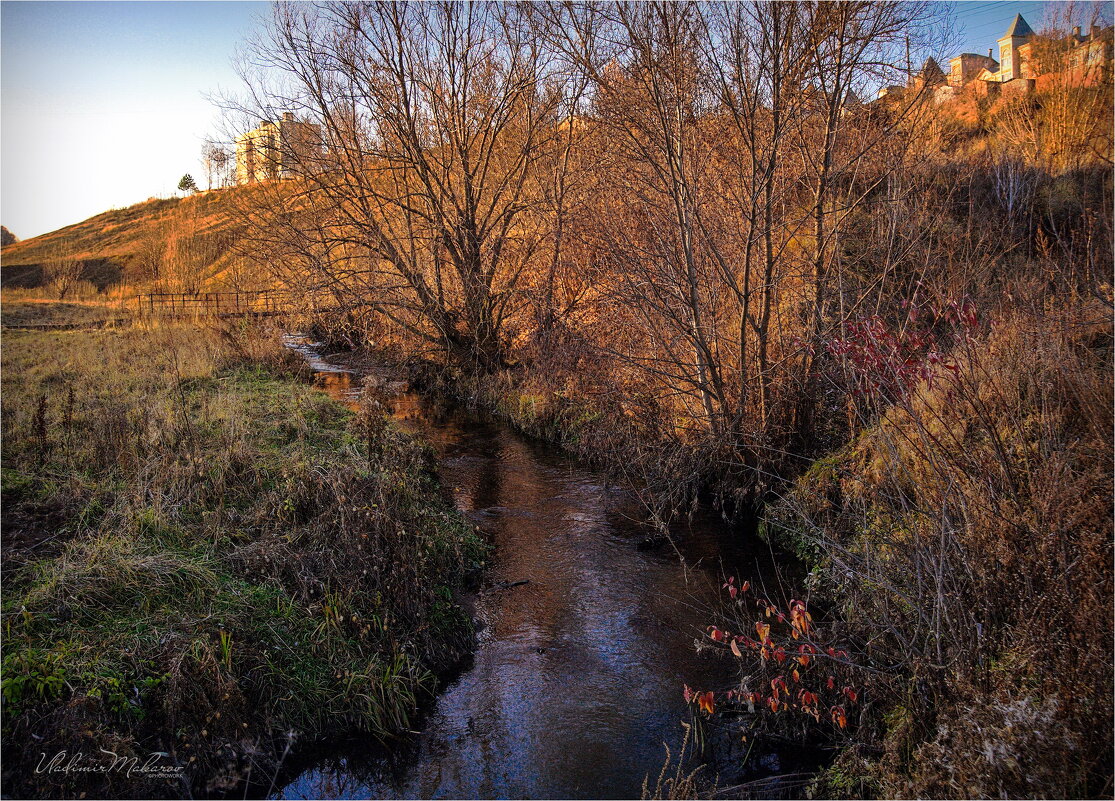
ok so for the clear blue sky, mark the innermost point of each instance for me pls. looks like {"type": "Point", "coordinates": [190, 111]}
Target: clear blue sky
{"type": "Point", "coordinates": [980, 24]}
{"type": "Point", "coordinates": [104, 104]}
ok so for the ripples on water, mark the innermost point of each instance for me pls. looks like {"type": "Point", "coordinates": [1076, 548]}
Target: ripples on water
{"type": "Point", "coordinates": [576, 681]}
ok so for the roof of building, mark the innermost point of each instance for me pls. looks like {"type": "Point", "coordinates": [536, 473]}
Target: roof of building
{"type": "Point", "coordinates": [1018, 28]}
{"type": "Point", "coordinates": [931, 70]}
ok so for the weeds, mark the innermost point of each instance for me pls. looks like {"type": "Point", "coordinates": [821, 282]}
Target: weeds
{"type": "Point", "coordinates": [962, 544]}
{"type": "Point", "coordinates": [203, 555]}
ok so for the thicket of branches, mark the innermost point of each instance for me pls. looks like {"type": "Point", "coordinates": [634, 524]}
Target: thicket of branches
{"type": "Point", "coordinates": [665, 186]}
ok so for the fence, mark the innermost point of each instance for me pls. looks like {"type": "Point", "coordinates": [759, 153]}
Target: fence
{"type": "Point", "coordinates": [211, 304]}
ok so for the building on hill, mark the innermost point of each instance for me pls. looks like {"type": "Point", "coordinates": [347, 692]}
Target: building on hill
{"type": "Point", "coordinates": [1028, 61]}
{"type": "Point", "coordinates": [930, 76]}
{"type": "Point", "coordinates": [276, 150]}
{"type": "Point", "coordinates": [1088, 60]}
{"type": "Point", "coordinates": [967, 67]}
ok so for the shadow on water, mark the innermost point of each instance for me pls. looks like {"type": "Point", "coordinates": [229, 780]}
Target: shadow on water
{"type": "Point", "coordinates": [585, 638]}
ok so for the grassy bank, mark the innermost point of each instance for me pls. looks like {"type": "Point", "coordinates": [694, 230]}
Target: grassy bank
{"type": "Point", "coordinates": [205, 557]}
{"type": "Point", "coordinates": [962, 543]}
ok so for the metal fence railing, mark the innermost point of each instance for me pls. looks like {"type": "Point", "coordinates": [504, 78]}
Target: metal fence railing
{"type": "Point", "coordinates": [210, 304]}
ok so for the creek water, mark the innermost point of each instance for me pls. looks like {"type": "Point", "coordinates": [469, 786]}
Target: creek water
{"type": "Point", "coordinates": [575, 686]}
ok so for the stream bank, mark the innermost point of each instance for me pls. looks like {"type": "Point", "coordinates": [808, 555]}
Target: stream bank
{"type": "Point", "coordinates": [207, 562]}
{"type": "Point", "coordinates": [586, 635]}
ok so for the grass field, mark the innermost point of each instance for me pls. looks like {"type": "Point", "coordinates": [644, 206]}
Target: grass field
{"type": "Point", "coordinates": [37, 312]}
{"type": "Point", "coordinates": [204, 556]}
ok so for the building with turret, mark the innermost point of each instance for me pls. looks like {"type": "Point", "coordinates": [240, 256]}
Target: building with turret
{"type": "Point", "coordinates": [1083, 59]}
{"type": "Point", "coordinates": [1026, 63]}
{"type": "Point", "coordinates": [1015, 51]}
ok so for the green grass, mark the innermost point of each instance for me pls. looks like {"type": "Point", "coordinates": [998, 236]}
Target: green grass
{"type": "Point", "coordinates": [203, 554]}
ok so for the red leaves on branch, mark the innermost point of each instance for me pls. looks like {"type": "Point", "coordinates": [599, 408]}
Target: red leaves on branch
{"type": "Point", "coordinates": [733, 590]}
{"type": "Point", "coordinates": [812, 690]}
{"type": "Point", "coordinates": [890, 362]}
{"type": "Point", "coordinates": [806, 652]}
{"type": "Point", "coordinates": [763, 630]}
{"type": "Point", "coordinates": [705, 701]}
{"type": "Point", "coordinates": [778, 684]}
{"type": "Point", "coordinates": [800, 619]}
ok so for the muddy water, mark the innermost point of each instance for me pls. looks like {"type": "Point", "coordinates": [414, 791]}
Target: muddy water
{"type": "Point", "coordinates": [576, 683]}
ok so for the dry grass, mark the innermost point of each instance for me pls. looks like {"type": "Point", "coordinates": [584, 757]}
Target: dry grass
{"type": "Point", "coordinates": [203, 554]}
{"type": "Point", "coordinates": [35, 312]}
{"type": "Point", "coordinates": [967, 537]}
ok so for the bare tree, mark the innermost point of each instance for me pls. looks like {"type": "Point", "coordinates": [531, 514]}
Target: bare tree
{"type": "Point", "coordinates": [715, 117]}
{"type": "Point", "coordinates": [433, 123]}
{"type": "Point", "coordinates": [62, 271]}
{"type": "Point", "coordinates": [216, 160]}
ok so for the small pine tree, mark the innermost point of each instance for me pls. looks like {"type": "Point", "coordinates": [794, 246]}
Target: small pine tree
{"type": "Point", "coordinates": [187, 184]}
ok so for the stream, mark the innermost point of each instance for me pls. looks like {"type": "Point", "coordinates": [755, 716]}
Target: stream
{"type": "Point", "coordinates": [575, 686]}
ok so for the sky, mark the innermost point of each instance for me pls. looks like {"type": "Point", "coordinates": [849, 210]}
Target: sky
{"type": "Point", "coordinates": [104, 104]}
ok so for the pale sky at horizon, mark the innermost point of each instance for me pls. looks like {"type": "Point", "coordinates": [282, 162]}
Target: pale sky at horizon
{"type": "Point", "coordinates": [104, 103]}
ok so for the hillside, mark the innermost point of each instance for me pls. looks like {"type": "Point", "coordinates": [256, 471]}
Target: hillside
{"type": "Point", "coordinates": [149, 244]}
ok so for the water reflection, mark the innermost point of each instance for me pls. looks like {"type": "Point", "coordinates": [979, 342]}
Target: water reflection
{"type": "Point", "coordinates": [576, 681]}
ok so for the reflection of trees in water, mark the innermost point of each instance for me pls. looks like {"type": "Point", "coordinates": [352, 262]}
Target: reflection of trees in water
{"type": "Point", "coordinates": [346, 768]}
{"type": "Point", "coordinates": [577, 681]}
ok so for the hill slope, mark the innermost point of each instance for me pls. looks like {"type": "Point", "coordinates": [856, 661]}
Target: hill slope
{"type": "Point", "coordinates": [135, 247]}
